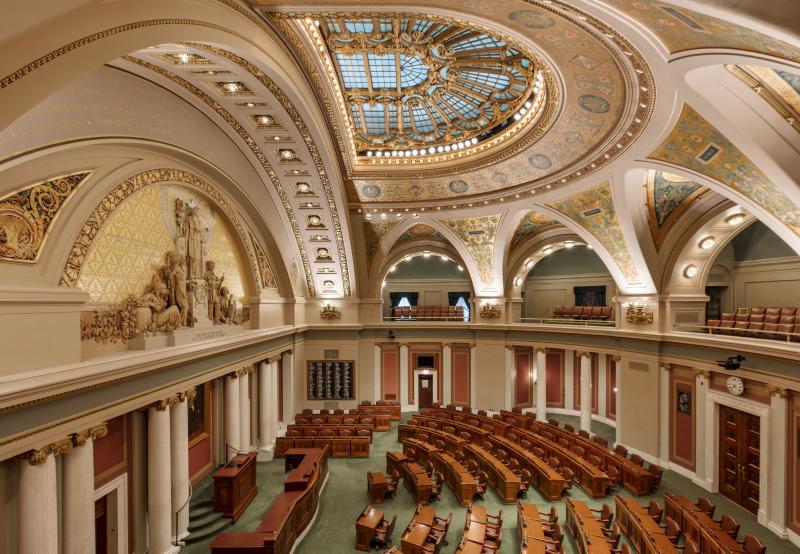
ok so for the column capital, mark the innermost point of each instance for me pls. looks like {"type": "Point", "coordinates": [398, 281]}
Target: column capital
{"type": "Point", "coordinates": [583, 354]}
{"type": "Point", "coordinates": [617, 358]}
{"type": "Point", "coordinates": [39, 456]}
{"type": "Point", "coordinates": [275, 358]}
{"type": "Point", "coordinates": [162, 405]}
{"type": "Point", "coordinates": [246, 370]}
{"type": "Point", "coordinates": [696, 372]}
{"type": "Point", "coordinates": [666, 367]}
{"type": "Point", "coordinates": [447, 345]}
{"type": "Point", "coordinates": [94, 433]}
{"type": "Point", "coordinates": [403, 344]}
{"type": "Point", "coordinates": [509, 347]}
{"type": "Point", "coordinates": [773, 390]}
{"type": "Point", "coordinates": [541, 349]}
{"type": "Point", "coordinates": [187, 395]}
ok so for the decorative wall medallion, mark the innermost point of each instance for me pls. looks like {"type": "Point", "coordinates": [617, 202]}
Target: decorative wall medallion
{"type": "Point", "coordinates": [26, 215]}
{"type": "Point", "coordinates": [540, 161]}
{"type": "Point", "coordinates": [314, 222]}
{"type": "Point", "coordinates": [593, 103]}
{"type": "Point", "coordinates": [371, 191]}
{"type": "Point", "coordinates": [324, 255]}
{"type": "Point", "coordinates": [458, 186]}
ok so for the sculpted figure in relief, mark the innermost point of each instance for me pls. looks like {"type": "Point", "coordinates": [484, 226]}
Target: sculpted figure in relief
{"type": "Point", "coordinates": [178, 287]}
{"type": "Point", "coordinates": [214, 285]}
{"type": "Point", "coordinates": [230, 311]}
{"type": "Point", "coordinates": [193, 232]}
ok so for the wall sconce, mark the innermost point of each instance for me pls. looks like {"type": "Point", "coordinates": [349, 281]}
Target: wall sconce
{"type": "Point", "coordinates": [490, 311]}
{"type": "Point", "coordinates": [330, 311]}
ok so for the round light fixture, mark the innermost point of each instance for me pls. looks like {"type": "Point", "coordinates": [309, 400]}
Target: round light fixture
{"type": "Point", "coordinates": [707, 243]}
{"type": "Point", "coordinates": [690, 271]}
{"type": "Point", "coordinates": [734, 220]}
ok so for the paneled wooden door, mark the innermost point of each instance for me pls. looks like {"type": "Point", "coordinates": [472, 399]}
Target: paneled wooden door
{"type": "Point", "coordinates": [425, 390]}
{"type": "Point", "coordinates": [101, 526]}
{"type": "Point", "coordinates": [739, 455]}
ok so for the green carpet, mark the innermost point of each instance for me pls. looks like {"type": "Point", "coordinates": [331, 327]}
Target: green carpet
{"type": "Point", "coordinates": [345, 495]}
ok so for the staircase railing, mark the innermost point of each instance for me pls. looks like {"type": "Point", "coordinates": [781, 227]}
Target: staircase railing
{"type": "Point", "coordinates": [176, 540]}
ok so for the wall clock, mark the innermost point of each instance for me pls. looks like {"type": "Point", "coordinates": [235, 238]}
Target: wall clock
{"type": "Point", "coordinates": [735, 385]}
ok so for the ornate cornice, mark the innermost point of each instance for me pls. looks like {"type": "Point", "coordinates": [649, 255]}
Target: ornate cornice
{"type": "Point", "coordinates": [774, 390]}
{"type": "Point", "coordinates": [162, 405]}
{"type": "Point", "coordinates": [39, 456]}
{"type": "Point", "coordinates": [704, 373]}
{"type": "Point", "coordinates": [188, 396]}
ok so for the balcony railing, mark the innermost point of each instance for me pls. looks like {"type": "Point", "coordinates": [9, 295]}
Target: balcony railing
{"type": "Point", "coordinates": [740, 333]}
{"type": "Point", "coordinates": [566, 321]}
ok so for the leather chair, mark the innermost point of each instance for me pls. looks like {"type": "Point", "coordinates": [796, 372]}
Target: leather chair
{"type": "Point", "coordinates": [553, 422]}
{"type": "Point", "coordinates": [538, 452]}
{"type": "Point", "coordinates": [584, 434]}
{"type": "Point", "coordinates": [690, 547]}
{"type": "Point", "coordinates": [602, 441]}
{"type": "Point", "coordinates": [752, 545]}
{"type": "Point", "coordinates": [383, 533]}
{"type": "Point", "coordinates": [436, 490]}
{"type": "Point", "coordinates": [555, 545]}
{"type": "Point", "coordinates": [672, 530]}
{"type": "Point", "coordinates": [569, 477]}
{"type": "Point", "coordinates": [579, 451]}
{"type": "Point", "coordinates": [621, 450]}
{"type": "Point", "coordinates": [492, 542]}
{"type": "Point", "coordinates": [391, 484]}
{"type": "Point", "coordinates": [525, 481]}
{"type": "Point", "coordinates": [729, 525]}
{"type": "Point", "coordinates": [569, 427]}
{"type": "Point", "coordinates": [606, 515]}
{"type": "Point", "coordinates": [613, 535]}
{"type": "Point", "coordinates": [655, 511]}
{"type": "Point", "coordinates": [595, 461]}
{"type": "Point", "coordinates": [317, 421]}
{"type": "Point", "coordinates": [657, 474]}
{"type": "Point", "coordinates": [706, 506]}
{"type": "Point", "coordinates": [554, 462]}
{"type": "Point", "coordinates": [636, 459]}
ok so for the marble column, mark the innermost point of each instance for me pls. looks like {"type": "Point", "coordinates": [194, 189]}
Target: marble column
{"type": "Point", "coordinates": [447, 374]}
{"type": "Point", "coordinates": [618, 396]}
{"type": "Point", "coordinates": [509, 398]}
{"type": "Point", "coordinates": [473, 378]}
{"type": "Point", "coordinates": [776, 476]}
{"type": "Point", "coordinates": [179, 450]}
{"type": "Point", "coordinates": [663, 413]}
{"type": "Point", "coordinates": [78, 493]}
{"type": "Point", "coordinates": [232, 417]}
{"type": "Point", "coordinates": [265, 440]}
{"type": "Point", "coordinates": [541, 384]}
{"type": "Point", "coordinates": [702, 379]}
{"type": "Point", "coordinates": [569, 379]}
{"type": "Point", "coordinates": [377, 373]}
{"type": "Point", "coordinates": [404, 398]}
{"type": "Point", "coordinates": [159, 497]}
{"type": "Point", "coordinates": [245, 442]}
{"type": "Point", "coordinates": [586, 390]}
{"type": "Point", "coordinates": [38, 500]}
{"type": "Point", "coordinates": [288, 386]}
{"type": "Point", "coordinates": [602, 386]}
{"type": "Point", "coordinates": [275, 413]}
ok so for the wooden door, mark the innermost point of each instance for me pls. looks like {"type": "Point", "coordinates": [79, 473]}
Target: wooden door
{"type": "Point", "coordinates": [739, 455]}
{"type": "Point", "coordinates": [101, 526]}
{"type": "Point", "coordinates": [425, 390]}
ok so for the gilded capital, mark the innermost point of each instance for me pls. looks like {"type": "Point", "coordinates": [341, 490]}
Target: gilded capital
{"type": "Point", "coordinates": [617, 358]}
{"type": "Point", "coordinates": [447, 345]}
{"type": "Point", "coordinates": [704, 373]}
{"type": "Point", "coordinates": [584, 354]}
{"type": "Point", "coordinates": [188, 395]}
{"type": "Point", "coordinates": [541, 350]}
{"type": "Point", "coordinates": [168, 402]}
{"type": "Point", "coordinates": [36, 457]}
{"type": "Point", "coordinates": [94, 433]}
{"type": "Point", "coordinates": [233, 374]}
{"type": "Point", "coordinates": [773, 390]}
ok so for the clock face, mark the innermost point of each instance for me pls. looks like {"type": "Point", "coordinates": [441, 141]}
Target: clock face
{"type": "Point", "coordinates": [735, 385]}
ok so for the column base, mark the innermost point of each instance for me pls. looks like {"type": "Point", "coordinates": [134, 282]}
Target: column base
{"type": "Point", "coordinates": [266, 454]}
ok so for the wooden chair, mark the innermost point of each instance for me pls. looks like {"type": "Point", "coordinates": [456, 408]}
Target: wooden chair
{"type": "Point", "coordinates": [324, 412]}
{"type": "Point", "coordinates": [729, 525]}
{"type": "Point", "coordinates": [563, 442]}
{"type": "Point", "coordinates": [621, 450]}
{"type": "Point", "coordinates": [338, 411]}
{"type": "Point", "coordinates": [752, 545]}
{"type": "Point", "coordinates": [672, 530]}
{"type": "Point", "coordinates": [307, 411]}
{"type": "Point", "coordinates": [391, 484]}
{"type": "Point", "coordinates": [436, 490]}
{"type": "Point", "coordinates": [579, 451]}
{"type": "Point", "coordinates": [613, 536]}
{"type": "Point", "coordinates": [569, 427]}
{"type": "Point", "coordinates": [495, 519]}
{"type": "Point", "coordinates": [655, 511]}
{"type": "Point", "coordinates": [568, 476]}
{"type": "Point", "coordinates": [606, 515]}
{"type": "Point", "coordinates": [584, 434]}
{"type": "Point", "coordinates": [624, 550]}
{"type": "Point", "coordinates": [480, 489]}
{"type": "Point", "coordinates": [438, 535]}
{"type": "Point", "coordinates": [706, 506]}
{"type": "Point", "coordinates": [638, 460]}
{"type": "Point", "coordinates": [317, 421]}
{"type": "Point", "coordinates": [657, 472]}
{"type": "Point", "coordinates": [555, 545]}
{"type": "Point", "coordinates": [492, 543]}
{"type": "Point", "coordinates": [538, 452]}
{"type": "Point", "coordinates": [690, 547]}
{"type": "Point", "coordinates": [525, 481]}
{"type": "Point", "coordinates": [383, 533]}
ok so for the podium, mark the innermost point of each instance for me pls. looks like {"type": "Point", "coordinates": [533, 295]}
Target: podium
{"type": "Point", "coordinates": [235, 485]}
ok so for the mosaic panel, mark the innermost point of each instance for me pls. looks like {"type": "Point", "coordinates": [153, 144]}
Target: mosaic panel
{"type": "Point", "coordinates": [668, 196]}
{"type": "Point", "coordinates": [374, 232]}
{"type": "Point", "coordinates": [478, 235]}
{"type": "Point", "coordinates": [421, 231]}
{"type": "Point", "coordinates": [531, 224]}
{"type": "Point", "coordinates": [699, 146]}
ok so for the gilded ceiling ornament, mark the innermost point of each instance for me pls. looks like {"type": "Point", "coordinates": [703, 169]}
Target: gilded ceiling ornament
{"type": "Point", "coordinates": [697, 145]}
{"type": "Point", "coordinates": [165, 404]}
{"type": "Point", "coordinates": [26, 215]}
{"type": "Point", "coordinates": [374, 233]}
{"type": "Point", "coordinates": [264, 269]}
{"type": "Point", "coordinates": [478, 235]}
{"type": "Point", "coordinates": [668, 196]}
{"type": "Point", "coordinates": [780, 89]}
{"type": "Point", "coordinates": [490, 311]}
{"type": "Point", "coordinates": [531, 225]}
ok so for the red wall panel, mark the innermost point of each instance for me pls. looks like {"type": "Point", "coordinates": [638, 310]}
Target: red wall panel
{"type": "Point", "coordinates": [522, 363]}
{"type": "Point", "coordinates": [611, 385]}
{"type": "Point", "coordinates": [111, 452]}
{"type": "Point", "coordinates": [682, 423]}
{"type": "Point", "coordinates": [390, 372]}
{"type": "Point", "coordinates": [199, 458]}
{"type": "Point", "coordinates": [555, 379]}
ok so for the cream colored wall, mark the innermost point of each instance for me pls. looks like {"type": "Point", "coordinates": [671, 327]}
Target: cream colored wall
{"type": "Point", "coordinates": [774, 282]}
{"type": "Point", "coordinates": [349, 349]}
{"type": "Point", "coordinates": [543, 293]}
{"type": "Point", "coordinates": [490, 375]}
{"type": "Point", "coordinates": [639, 398]}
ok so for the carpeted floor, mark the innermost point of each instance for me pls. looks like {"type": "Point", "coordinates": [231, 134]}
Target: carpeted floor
{"type": "Point", "coordinates": [345, 495]}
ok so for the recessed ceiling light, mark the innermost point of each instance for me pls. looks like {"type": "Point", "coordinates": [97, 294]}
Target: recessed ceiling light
{"type": "Point", "coordinates": [707, 243]}
{"type": "Point", "coordinates": [690, 271]}
{"type": "Point", "coordinates": [232, 87]}
{"type": "Point", "coordinates": [735, 219]}
{"type": "Point", "coordinates": [547, 249]}
{"type": "Point", "coordinates": [184, 57]}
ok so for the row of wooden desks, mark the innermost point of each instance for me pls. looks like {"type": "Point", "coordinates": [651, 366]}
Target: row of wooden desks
{"type": "Point", "coordinates": [518, 421]}
{"type": "Point", "coordinates": [586, 529]}
{"type": "Point", "coordinates": [496, 426]}
{"type": "Point", "coordinates": [339, 447]}
{"type": "Point", "coordinates": [531, 532]}
{"type": "Point", "coordinates": [431, 435]}
{"type": "Point", "coordinates": [422, 451]}
{"type": "Point", "coordinates": [551, 483]}
{"type": "Point", "coordinates": [367, 522]}
{"type": "Point", "coordinates": [378, 422]}
{"type": "Point", "coordinates": [591, 479]}
{"type": "Point", "coordinates": [502, 479]}
{"type": "Point", "coordinates": [457, 428]}
{"type": "Point", "coordinates": [634, 477]}
{"type": "Point", "coordinates": [418, 482]}
{"type": "Point", "coordinates": [698, 526]}
{"type": "Point", "coordinates": [641, 529]}
{"type": "Point", "coordinates": [460, 481]}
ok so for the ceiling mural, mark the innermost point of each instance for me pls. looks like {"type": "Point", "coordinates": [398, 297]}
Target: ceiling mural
{"type": "Point", "coordinates": [668, 196]}
{"type": "Point", "coordinates": [531, 224]}
{"type": "Point", "coordinates": [26, 215]}
{"type": "Point", "coordinates": [681, 29]}
{"type": "Point", "coordinates": [414, 83]}
{"type": "Point", "coordinates": [601, 87]}
{"type": "Point", "coordinates": [374, 233]}
{"type": "Point", "coordinates": [477, 234]}
{"type": "Point", "coordinates": [421, 231]}
{"type": "Point", "coordinates": [780, 89]}
{"type": "Point", "coordinates": [699, 146]}
{"type": "Point", "coordinates": [594, 211]}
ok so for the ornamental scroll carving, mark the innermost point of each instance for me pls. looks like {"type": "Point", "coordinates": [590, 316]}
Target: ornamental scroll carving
{"type": "Point", "coordinates": [185, 291]}
{"type": "Point", "coordinates": [26, 215]}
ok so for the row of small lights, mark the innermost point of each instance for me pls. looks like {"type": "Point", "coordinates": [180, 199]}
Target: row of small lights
{"type": "Point", "coordinates": [707, 243]}
{"type": "Point", "coordinates": [547, 250]}
{"type": "Point", "coordinates": [425, 254]}
{"type": "Point", "coordinates": [423, 151]}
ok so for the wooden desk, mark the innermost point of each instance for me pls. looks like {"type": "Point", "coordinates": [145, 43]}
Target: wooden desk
{"type": "Point", "coordinates": [290, 513]}
{"type": "Point", "coordinates": [416, 480]}
{"type": "Point", "coordinates": [586, 529]}
{"type": "Point", "coordinates": [414, 538]}
{"type": "Point", "coordinates": [706, 532]}
{"type": "Point", "coordinates": [366, 524]}
{"type": "Point", "coordinates": [426, 516]}
{"type": "Point", "coordinates": [502, 479]}
{"type": "Point", "coordinates": [477, 513]}
{"type": "Point", "coordinates": [460, 481]}
{"type": "Point", "coordinates": [518, 420]}
{"type": "Point", "coordinates": [377, 487]}
{"type": "Point", "coordinates": [531, 532]}
{"type": "Point", "coordinates": [475, 532]}
{"type": "Point", "coordinates": [549, 482]}
{"type": "Point", "coordinates": [395, 461]}
{"type": "Point", "coordinates": [235, 485]}
{"type": "Point", "coordinates": [641, 529]}
{"type": "Point", "coordinates": [468, 547]}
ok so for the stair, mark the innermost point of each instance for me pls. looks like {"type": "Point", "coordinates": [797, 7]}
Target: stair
{"type": "Point", "coordinates": [204, 522]}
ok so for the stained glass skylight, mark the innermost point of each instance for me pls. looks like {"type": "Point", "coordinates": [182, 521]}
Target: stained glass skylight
{"type": "Point", "coordinates": [412, 82]}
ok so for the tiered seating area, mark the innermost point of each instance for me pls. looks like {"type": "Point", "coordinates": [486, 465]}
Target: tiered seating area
{"type": "Point", "coordinates": [598, 313]}
{"type": "Point", "coordinates": [429, 313]}
{"type": "Point", "coordinates": [760, 323]}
